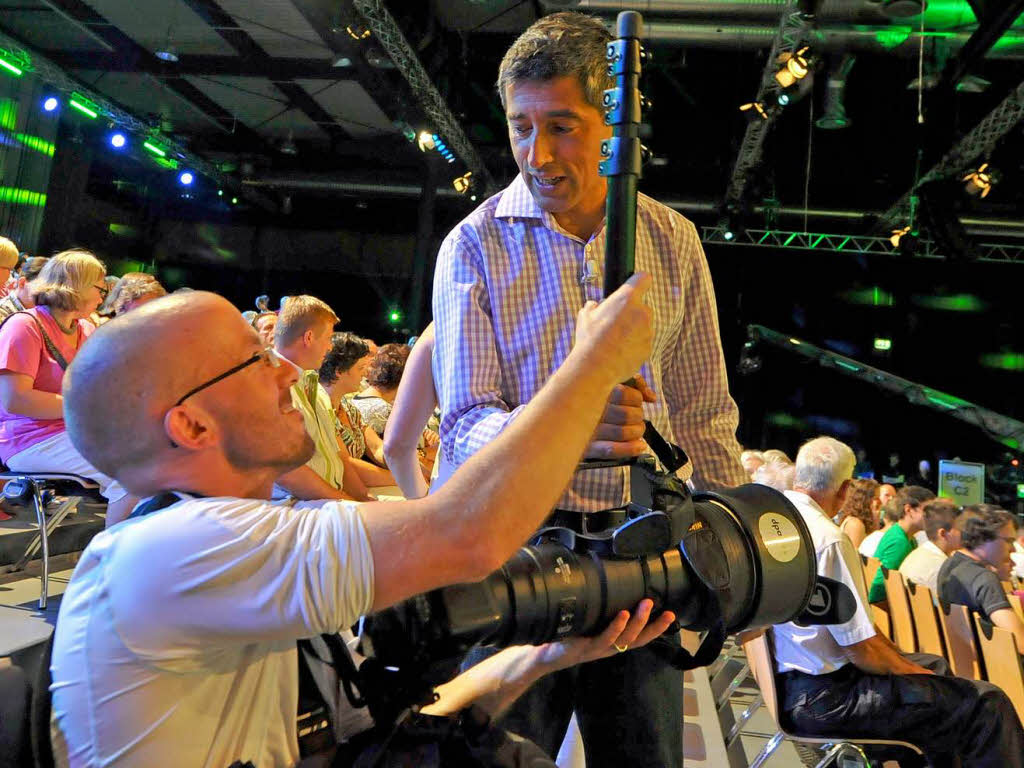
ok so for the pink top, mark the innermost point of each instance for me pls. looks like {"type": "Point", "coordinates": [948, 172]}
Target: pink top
{"type": "Point", "coordinates": [22, 351]}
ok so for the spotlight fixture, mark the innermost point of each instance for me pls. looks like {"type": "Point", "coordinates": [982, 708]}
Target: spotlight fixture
{"type": "Point", "coordinates": [288, 146]}
{"type": "Point", "coordinates": [897, 236]}
{"type": "Point", "coordinates": [186, 178]}
{"type": "Point", "coordinates": [901, 9]}
{"type": "Point", "coordinates": [462, 183]}
{"type": "Point", "coordinates": [357, 31]}
{"type": "Point", "coordinates": [755, 108]}
{"type": "Point", "coordinates": [980, 182]}
{"type": "Point", "coordinates": [169, 55]}
{"type": "Point", "coordinates": [50, 103]}
{"type": "Point", "coordinates": [118, 140]}
{"type": "Point", "coordinates": [783, 99]}
{"type": "Point", "coordinates": [425, 141]}
{"type": "Point", "coordinates": [794, 67]}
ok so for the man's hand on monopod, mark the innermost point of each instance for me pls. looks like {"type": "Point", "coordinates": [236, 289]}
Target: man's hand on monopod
{"type": "Point", "coordinates": [616, 334]}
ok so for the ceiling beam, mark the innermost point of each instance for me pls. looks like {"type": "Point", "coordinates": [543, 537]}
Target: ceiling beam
{"type": "Point", "coordinates": [83, 15]}
{"type": "Point", "coordinates": [226, 26]}
{"type": "Point", "coordinates": [992, 25]}
{"type": "Point", "coordinates": [202, 66]}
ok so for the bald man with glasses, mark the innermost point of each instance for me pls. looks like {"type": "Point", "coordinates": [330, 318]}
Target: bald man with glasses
{"type": "Point", "coordinates": [176, 638]}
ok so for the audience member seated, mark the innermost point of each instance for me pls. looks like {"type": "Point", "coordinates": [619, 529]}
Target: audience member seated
{"type": "Point", "coordinates": [898, 541]}
{"type": "Point", "coordinates": [886, 518]}
{"type": "Point", "coordinates": [775, 475]}
{"type": "Point", "coordinates": [923, 564]}
{"type": "Point", "coordinates": [846, 680]}
{"type": "Point", "coordinates": [19, 297]}
{"type": "Point", "coordinates": [340, 374]}
{"type": "Point", "coordinates": [414, 404]}
{"type": "Point", "coordinates": [9, 257]}
{"type": "Point", "coordinates": [303, 336]}
{"type": "Point", "coordinates": [774, 454]}
{"type": "Point", "coordinates": [265, 324]}
{"type": "Point", "coordinates": [751, 460]}
{"type": "Point", "coordinates": [885, 492]}
{"type": "Point", "coordinates": [175, 643]}
{"type": "Point", "coordinates": [35, 348]}
{"type": "Point", "coordinates": [857, 519]}
{"type": "Point", "coordinates": [383, 376]}
{"type": "Point", "coordinates": [133, 290]}
{"type": "Point", "coordinates": [972, 574]}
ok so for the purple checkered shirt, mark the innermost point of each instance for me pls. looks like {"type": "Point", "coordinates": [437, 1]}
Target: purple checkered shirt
{"type": "Point", "coordinates": [508, 285]}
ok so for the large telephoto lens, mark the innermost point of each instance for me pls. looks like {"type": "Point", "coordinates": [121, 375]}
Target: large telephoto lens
{"type": "Point", "coordinates": [747, 556]}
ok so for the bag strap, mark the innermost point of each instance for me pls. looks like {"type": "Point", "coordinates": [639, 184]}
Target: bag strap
{"type": "Point", "coordinates": [50, 346]}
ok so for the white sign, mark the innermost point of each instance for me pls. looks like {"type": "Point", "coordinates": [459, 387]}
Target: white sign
{"type": "Point", "coordinates": [962, 481]}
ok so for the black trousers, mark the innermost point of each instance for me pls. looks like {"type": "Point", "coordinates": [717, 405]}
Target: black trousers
{"type": "Point", "coordinates": [944, 716]}
{"type": "Point", "coordinates": [629, 708]}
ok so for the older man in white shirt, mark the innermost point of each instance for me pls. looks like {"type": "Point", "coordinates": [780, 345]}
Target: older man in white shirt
{"type": "Point", "coordinates": [847, 680]}
{"type": "Point", "coordinates": [922, 565]}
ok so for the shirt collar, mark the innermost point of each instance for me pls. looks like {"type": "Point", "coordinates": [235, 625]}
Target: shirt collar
{"type": "Point", "coordinates": [932, 547]}
{"type": "Point", "coordinates": [805, 501]}
{"type": "Point", "coordinates": [517, 202]}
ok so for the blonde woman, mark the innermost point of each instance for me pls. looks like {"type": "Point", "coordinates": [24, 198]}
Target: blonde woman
{"type": "Point", "coordinates": [35, 347]}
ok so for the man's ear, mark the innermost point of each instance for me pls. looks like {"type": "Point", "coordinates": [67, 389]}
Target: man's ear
{"type": "Point", "coordinates": [307, 337]}
{"type": "Point", "coordinates": [188, 426]}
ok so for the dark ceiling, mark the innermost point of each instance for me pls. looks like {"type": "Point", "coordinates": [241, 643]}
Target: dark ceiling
{"type": "Point", "coordinates": [255, 77]}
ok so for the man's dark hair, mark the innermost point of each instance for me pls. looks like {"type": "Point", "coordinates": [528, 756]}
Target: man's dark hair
{"type": "Point", "coordinates": [984, 524]}
{"type": "Point", "coordinates": [939, 515]}
{"type": "Point", "coordinates": [346, 350]}
{"type": "Point", "coordinates": [914, 495]}
{"type": "Point", "coordinates": [564, 44]}
{"type": "Point", "coordinates": [387, 366]}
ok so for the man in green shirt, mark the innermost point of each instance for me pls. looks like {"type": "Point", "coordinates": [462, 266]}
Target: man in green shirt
{"type": "Point", "coordinates": [898, 541]}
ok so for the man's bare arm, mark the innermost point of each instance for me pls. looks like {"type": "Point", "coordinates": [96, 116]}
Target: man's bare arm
{"type": "Point", "coordinates": [876, 656]}
{"type": "Point", "coordinates": [304, 483]}
{"type": "Point", "coordinates": [502, 494]}
{"type": "Point", "coordinates": [1009, 620]}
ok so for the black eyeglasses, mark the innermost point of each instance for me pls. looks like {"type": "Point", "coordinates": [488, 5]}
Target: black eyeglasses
{"type": "Point", "coordinates": [267, 355]}
{"type": "Point", "coordinates": [104, 291]}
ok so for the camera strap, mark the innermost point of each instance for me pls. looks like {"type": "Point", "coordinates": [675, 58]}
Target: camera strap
{"type": "Point", "coordinates": [709, 649]}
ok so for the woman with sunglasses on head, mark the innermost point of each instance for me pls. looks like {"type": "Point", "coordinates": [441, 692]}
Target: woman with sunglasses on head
{"type": "Point", "coordinates": [35, 347]}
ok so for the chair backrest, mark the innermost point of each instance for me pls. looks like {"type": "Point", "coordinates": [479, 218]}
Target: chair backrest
{"type": "Point", "coordinates": [871, 566]}
{"type": "Point", "coordinates": [1002, 661]}
{"type": "Point", "coordinates": [926, 623]}
{"type": "Point", "coordinates": [1017, 604]}
{"type": "Point", "coordinates": [961, 645]}
{"type": "Point", "coordinates": [899, 612]}
{"type": "Point", "coordinates": [1007, 586]}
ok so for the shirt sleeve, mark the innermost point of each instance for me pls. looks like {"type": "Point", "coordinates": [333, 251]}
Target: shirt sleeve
{"type": "Point", "coordinates": [224, 572]}
{"type": "Point", "coordinates": [465, 362]}
{"type": "Point", "coordinates": [21, 346]}
{"type": "Point", "coordinates": [703, 415]}
{"type": "Point", "coordinates": [892, 551]}
{"type": "Point", "coordinates": [837, 561]}
{"type": "Point", "coordinates": [988, 593]}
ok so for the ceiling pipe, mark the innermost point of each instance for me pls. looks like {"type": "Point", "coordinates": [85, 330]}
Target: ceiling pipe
{"type": "Point", "coordinates": [851, 11]}
{"type": "Point", "coordinates": [361, 188]}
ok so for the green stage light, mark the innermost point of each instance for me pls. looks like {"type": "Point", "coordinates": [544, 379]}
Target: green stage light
{"type": "Point", "coordinates": [883, 345]}
{"type": "Point", "coordinates": [154, 149]}
{"type": "Point", "coordinates": [84, 106]}
{"type": "Point", "coordinates": [16, 71]}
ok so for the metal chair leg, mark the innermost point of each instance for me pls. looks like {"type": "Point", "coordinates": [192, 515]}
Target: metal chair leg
{"type": "Point", "coordinates": [745, 716]}
{"type": "Point", "coordinates": [767, 750]}
{"type": "Point", "coordinates": [37, 501]}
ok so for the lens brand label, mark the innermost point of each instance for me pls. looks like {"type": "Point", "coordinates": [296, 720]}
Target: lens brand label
{"type": "Point", "coordinates": [780, 536]}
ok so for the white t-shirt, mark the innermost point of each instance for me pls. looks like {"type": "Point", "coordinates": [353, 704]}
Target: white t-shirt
{"type": "Point", "coordinates": [870, 543]}
{"type": "Point", "coordinates": [819, 650]}
{"type": "Point", "coordinates": [922, 566]}
{"type": "Point", "coordinates": [175, 643]}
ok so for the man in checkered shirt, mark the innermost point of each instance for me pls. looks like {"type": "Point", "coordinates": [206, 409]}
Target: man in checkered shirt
{"type": "Point", "coordinates": [509, 282]}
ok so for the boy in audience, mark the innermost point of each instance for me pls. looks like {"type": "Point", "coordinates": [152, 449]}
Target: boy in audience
{"type": "Point", "coordinates": [846, 680]}
{"type": "Point", "coordinates": [972, 574]}
{"type": "Point", "coordinates": [20, 297]}
{"type": "Point", "coordinates": [922, 565]}
{"type": "Point", "coordinates": [898, 541]}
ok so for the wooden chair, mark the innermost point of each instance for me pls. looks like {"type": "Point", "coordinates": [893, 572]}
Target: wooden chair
{"type": "Point", "coordinates": [926, 623]}
{"type": "Point", "coordinates": [1002, 661]}
{"type": "Point", "coordinates": [958, 632]}
{"type": "Point", "coordinates": [1017, 604]}
{"type": "Point", "coordinates": [899, 611]}
{"type": "Point", "coordinates": [761, 657]}
{"type": "Point", "coordinates": [871, 566]}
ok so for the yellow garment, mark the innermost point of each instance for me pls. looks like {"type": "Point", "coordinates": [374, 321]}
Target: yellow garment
{"type": "Point", "coordinates": [313, 402]}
